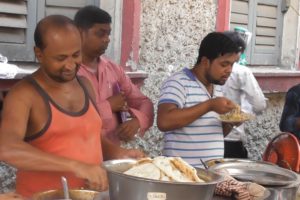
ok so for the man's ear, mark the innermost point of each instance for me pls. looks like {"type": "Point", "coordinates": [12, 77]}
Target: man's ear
{"type": "Point", "coordinates": [82, 32]}
{"type": "Point", "coordinates": [38, 54]}
{"type": "Point", "coordinates": [205, 61]}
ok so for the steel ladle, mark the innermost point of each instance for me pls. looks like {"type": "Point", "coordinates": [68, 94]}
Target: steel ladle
{"type": "Point", "coordinates": [65, 187]}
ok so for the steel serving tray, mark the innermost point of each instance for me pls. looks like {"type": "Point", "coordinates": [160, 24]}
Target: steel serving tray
{"type": "Point", "coordinates": [258, 172]}
{"type": "Point", "coordinates": [212, 162]}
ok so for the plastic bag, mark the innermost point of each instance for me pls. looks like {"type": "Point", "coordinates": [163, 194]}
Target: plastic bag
{"type": "Point", "coordinates": [7, 71]}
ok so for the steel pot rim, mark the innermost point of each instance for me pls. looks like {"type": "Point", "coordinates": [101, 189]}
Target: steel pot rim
{"type": "Point", "coordinates": [107, 165]}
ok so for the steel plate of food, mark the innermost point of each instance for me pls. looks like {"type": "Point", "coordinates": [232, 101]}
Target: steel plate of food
{"type": "Point", "coordinates": [236, 116]}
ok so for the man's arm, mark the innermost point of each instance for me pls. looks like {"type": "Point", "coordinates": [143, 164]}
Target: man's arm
{"type": "Point", "coordinates": [112, 151]}
{"type": "Point", "coordinates": [170, 117]}
{"type": "Point", "coordinates": [13, 150]}
{"type": "Point", "coordinates": [140, 106]}
{"type": "Point", "coordinates": [109, 149]}
{"type": "Point", "coordinates": [252, 91]}
{"type": "Point", "coordinates": [171, 112]}
{"type": "Point", "coordinates": [136, 103]}
{"type": "Point", "coordinates": [290, 118]}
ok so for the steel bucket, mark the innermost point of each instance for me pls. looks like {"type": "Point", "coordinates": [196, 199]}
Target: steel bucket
{"type": "Point", "coordinates": [125, 187]}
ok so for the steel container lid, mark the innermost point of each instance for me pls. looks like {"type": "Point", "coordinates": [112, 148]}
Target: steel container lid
{"type": "Point", "coordinates": [258, 172]}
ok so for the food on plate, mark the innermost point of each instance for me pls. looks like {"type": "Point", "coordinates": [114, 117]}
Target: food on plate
{"type": "Point", "coordinates": [162, 168]}
{"type": "Point", "coordinates": [236, 115]}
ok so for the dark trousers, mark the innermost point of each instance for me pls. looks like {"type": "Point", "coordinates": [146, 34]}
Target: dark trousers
{"type": "Point", "coordinates": [235, 149]}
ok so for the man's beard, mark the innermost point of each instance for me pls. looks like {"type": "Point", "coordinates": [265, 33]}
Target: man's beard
{"type": "Point", "coordinates": [61, 78]}
{"type": "Point", "coordinates": [213, 81]}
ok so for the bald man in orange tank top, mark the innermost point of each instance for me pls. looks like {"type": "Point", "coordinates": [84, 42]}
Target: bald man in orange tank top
{"type": "Point", "coordinates": [50, 126]}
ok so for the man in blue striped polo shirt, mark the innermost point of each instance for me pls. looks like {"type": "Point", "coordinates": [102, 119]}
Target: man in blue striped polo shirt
{"type": "Point", "coordinates": [191, 101]}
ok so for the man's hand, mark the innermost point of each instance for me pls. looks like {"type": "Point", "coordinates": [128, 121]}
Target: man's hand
{"type": "Point", "coordinates": [11, 196]}
{"type": "Point", "coordinates": [221, 105]}
{"type": "Point", "coordinates": [118, 102]}
{"type": "Point", "coordinates": [95, 176]}
{"type": "Point", "coordinates": [131, 153]}
{"type": "Point", "coordinates": [127, 130]}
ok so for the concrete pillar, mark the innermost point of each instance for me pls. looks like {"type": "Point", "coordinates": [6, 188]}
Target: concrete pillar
{"type": "Point", "coordinates": [223, 15]}
{"type": "Point", "coordinates": [130, 34]}
{"type": "Point", "coordinates": [115, 9]}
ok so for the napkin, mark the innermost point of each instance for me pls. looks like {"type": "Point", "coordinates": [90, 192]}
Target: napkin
{"type": "Point", "coordinates": [230, 187]}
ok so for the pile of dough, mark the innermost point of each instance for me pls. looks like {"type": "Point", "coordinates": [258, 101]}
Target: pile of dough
{"type": "Point", "coordinates": [165, 169]}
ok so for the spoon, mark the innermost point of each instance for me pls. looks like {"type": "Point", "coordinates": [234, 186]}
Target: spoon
{"type": "Point", "coordinates": [203, 163]}
{"type": "Point", "coordinates": [65, 187]}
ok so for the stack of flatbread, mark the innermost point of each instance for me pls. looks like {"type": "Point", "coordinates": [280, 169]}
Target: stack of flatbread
{"type": "Point", "coordinates": [162, 168]}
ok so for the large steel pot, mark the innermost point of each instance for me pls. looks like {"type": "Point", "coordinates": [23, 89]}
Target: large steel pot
{"type": "Point", "coordinates": [125, 187]}
{"type": "Point", "coordinates": [282, 183]}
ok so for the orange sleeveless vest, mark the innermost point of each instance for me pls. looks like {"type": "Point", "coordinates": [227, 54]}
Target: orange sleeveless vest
{"type": "Point", "coordinates": [71, 135]}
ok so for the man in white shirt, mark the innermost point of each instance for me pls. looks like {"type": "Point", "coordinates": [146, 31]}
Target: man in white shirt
{"type": "Point", "coordinates": [243, 89]}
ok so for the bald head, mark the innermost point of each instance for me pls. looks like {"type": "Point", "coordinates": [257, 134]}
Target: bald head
{"type": "Point", "coordinates": [50, 23]}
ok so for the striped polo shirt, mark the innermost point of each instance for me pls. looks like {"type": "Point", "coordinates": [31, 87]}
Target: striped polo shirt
{"type": "Point", "coordinates": [203, 138]}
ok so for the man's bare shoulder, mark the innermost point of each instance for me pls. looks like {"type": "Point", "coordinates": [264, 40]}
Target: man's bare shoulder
{"type": "Point", "coordinates": [88, 85]}
{"type": "Point", "coordinates": [85, 82]}
{"type": "Point", "coordinates": [22, 90]}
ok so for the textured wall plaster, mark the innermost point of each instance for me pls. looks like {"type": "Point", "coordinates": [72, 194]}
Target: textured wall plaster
{"type": "Point", "coordinates": [265, 126]}
{"type": "Point", "coordinates": [7, 178]}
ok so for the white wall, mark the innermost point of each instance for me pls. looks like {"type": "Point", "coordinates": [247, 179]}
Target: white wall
{"type": "Point", "coordinates": [114, 8]}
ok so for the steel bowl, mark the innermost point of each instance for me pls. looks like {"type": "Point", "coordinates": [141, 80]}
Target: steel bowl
{"type": "Point", "coordinates": [126, 187]}
{"type": "Point", "coordinates": [74, 195]}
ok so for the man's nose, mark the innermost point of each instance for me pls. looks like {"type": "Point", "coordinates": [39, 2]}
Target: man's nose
{"type": "Point", "coordinates": [228, 69]}
{"type": "Point", "coordinates": [71, 63]}
{"type": "Point", "coordinates": [106, 39]}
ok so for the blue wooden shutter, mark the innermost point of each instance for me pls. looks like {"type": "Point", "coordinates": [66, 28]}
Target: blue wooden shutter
{"type": "Point", "coordinates": [267, 31]}
{"type": "Point", "coordinates": [63, 7]}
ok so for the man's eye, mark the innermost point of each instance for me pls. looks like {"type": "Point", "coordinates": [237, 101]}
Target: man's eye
{"type": "Point", "coordinates": [103, 33]}
{"type": "Point", "coordinates": [60, 58]}
{"type": "Point", "coordinates": [226, 64]}
{"type": "Point", "coordinates": [76, 55]}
